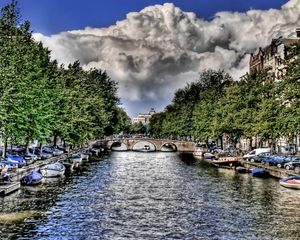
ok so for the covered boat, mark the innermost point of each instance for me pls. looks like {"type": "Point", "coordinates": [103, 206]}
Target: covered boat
{"type": "Point", "coordinates": [260, 172]}
{"type": "Point", "coordinates": [53, 170]}
{"type": "Point", "coordinates": [226, 162]}
{"type": "Point", "coordinates": [32, 178]}
{"type": "Point", "coordinates": [290, 182]}
{"type": "Point", "coordinates": [209, 156]}
{"type": "Point", "coordinates": [199, 153]}
{"type": "Point", "coordinates": [241, 169]}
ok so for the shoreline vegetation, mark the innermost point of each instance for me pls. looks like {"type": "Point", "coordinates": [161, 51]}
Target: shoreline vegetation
{"type": "Point", "coordinates": [46, 102]}
{"type": "Point", "coordinates": [217, 107]}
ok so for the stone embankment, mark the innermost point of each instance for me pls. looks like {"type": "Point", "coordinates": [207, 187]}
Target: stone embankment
{"type": "Point", "coordinates": [273, 170]}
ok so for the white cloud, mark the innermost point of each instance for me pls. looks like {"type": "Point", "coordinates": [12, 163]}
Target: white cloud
{"type": "Point", "coordinates": [153, 52]}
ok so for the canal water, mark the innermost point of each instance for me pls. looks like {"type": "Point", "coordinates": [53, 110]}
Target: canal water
{"type": "Point", "coordinates": [131, 195]}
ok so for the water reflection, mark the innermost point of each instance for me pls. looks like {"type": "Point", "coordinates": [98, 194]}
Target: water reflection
{"type": "Point", "coordinates": [134, 195]}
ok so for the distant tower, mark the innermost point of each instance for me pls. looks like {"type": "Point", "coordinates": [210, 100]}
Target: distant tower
{"type": "Point", "coordinates": [152, 111]}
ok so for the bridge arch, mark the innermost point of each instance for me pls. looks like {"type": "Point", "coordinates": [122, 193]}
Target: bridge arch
{"type": "Point", "coordinates": [168, 147]}
{"type": "Point", "coordinates": [118, 146]}
{"type": "Point", "coordinates": [144, 146]}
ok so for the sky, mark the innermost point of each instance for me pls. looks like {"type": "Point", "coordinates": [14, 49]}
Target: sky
{"type": "Point", "coordinates": [151, 47]}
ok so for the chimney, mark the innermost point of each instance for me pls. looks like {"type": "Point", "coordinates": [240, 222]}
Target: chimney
{"type": "Point", "coordinates": [298, 32]}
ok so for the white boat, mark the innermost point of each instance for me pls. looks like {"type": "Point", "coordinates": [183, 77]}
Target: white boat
{"type": "Point", "coordinates": [53, 170]}
{"type": "Point", "coordinates": [290, 182]}
{"type": "Point", "coordinates": [146, 148]}
{"type": "Point", "coordinates": [199, 153]}
{"type": "Point", "coordinates": [77, 160]}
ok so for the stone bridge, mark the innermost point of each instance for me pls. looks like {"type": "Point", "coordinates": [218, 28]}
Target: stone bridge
{"type": "Point", "coordinates": [142, 144]}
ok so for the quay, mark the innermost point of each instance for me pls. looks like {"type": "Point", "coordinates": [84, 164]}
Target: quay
{"type": "Point", "coordinates": [20, 172]}
{"type": "Point", "coordinates": [274, 171]}
{"type": "Point", "coordinates": [8, 187]}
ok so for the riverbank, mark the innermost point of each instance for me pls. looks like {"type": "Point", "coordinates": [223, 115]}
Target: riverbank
{"type": "Point", "coordinates": [274, 171]}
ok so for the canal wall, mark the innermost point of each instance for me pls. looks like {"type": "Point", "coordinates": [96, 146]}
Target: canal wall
{"type": "Point", "coordinates": [20, 172]}
{"type": "Point", "coordinates": [273, 170]}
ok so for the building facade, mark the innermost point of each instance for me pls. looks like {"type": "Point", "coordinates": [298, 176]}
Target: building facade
{"type": "Point", "coordinates": [273, 56]}
{"type": "Point", "coordinates": [144, 118]}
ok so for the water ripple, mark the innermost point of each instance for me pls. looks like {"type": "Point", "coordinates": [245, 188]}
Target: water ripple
{"type": "Point", "coordinates": [156, 196]}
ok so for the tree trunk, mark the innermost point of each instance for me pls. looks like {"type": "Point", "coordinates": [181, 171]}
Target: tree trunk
{"type": "Point", "coordinates": [54, 140]}
{"type": "Point", "coordinates": [27, 147]}
{"type": "Point", "coordinates": [4, 149]}
{"type": "Point", "coordinates": [206, 142]}
{"type": "Point", "coordinates": [41, 146]}
{"type": "Point", "coordinates": [221, 138]}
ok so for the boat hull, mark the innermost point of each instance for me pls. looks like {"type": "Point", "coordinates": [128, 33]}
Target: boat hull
{"type": "Point", "coordinates": [226, 162]}
{"type": "Point", "coordinates": [260, 173]}
{"type": "Point", "coordinates": [241, 169]}
{"type": "Point", "coordinates": [53, 170]}
{"type": "Point", "coordinates": [290, 182]}
{"type": "Point", "coordinates": [290, 185]}
{"type": "Point", "coordinates": [51, 173]}
{"type": "Point", "coordinates": [32, 179]}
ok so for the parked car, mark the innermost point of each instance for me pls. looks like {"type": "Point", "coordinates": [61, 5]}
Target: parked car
{"type": "Point", "coordinates": [15, 158]}
{"type": "Point", "coordinates": [41, 155]}
{"type": "Point", "coordinates": [9, 166]}
{"type": "Point", "coordinates": [260, 157]}
{"type": "Point", "coordinates": [63, 148]}
{"type": "Point", "coordinates": [230, 149]}
{"type": "Point", "coordinates": [215, 149]}
{"type": "Point", "coordinates": [56, 151]}
{"type": "Point", "coordinates": [277, 160]}
{"type": "Point", "coordinates": [292, 164]}
{"type": "Point", "coordinates": [48, 150]}
{"type": "Point", "coordinates": [255, 152]}
{"type": "Point", "coordinates": [30, 158]}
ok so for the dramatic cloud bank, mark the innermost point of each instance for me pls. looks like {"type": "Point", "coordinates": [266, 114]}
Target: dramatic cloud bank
{"type": "Point", "coordinates": [158, 50]}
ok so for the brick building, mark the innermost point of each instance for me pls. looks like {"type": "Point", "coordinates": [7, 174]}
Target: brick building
{"type": "Point", "coordinates": [273, 55]}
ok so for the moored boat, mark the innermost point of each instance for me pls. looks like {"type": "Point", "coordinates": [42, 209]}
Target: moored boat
{"type": "Point", "coordinates": [76, 159]}
{"type": "Point", "coordinates": [260, 172]}
{"type": "Point", "coordinates": [209, 156]}
{"type": "Point", "coordinates": [241, 169]}
{"type": "Point", "coordinates": [7, 188]}
{"type": "Point", "coordinates": [146, 148]}
{"type": "Point", "coordinates": [32, 178]}
{"type": "Point", "coordinates": [69, 165]}
{"type": "Point", "coordinates": [53, 170]}
{"type": "Point", "coordinates": [226, 162]}
{"type": "Point", "coordinates": [199, 153]}
{"type": "Point", "coordinates": [290, 182]}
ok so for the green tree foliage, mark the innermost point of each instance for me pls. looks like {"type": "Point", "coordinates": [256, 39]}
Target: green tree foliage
{"type": "Point", "coordinates": [289, 95]}
{"type": "Point", "coordinates": [41, 101]}
{"type": "Point", "coordinates": [138, 128]}
{"type": "Point", "coordinates": [256, 106]}
{"type": "Point", "coordinates": [123, 123]}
